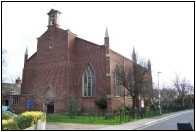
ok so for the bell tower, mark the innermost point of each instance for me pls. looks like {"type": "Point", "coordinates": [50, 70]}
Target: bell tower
{"type": "Point", "coordinates": [53, 17]}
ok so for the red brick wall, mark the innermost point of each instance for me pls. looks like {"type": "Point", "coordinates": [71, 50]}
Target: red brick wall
{"type": "Point", "coordinates": [88, 52]}
{"type": "Point", "coordinates": [116, 59]}
{"type": "Point", "coordinates": [23, 105]}
{"type": "Point", "coordinates": [48, 66]}
{"type": "Point", "coordinates": [63, 66]}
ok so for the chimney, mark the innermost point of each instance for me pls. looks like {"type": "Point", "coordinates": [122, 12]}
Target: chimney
{"type": "Point", "coordinates": [18, 81]}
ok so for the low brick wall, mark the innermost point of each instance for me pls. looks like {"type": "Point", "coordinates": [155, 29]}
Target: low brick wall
{"type": "Point", "coordinates": [38, 126]}
{"type": "Point", "coordinates": [32, 127]}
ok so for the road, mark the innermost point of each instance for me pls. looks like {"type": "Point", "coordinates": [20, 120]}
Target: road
{"type": "Point", "coordinates": [171, 124]}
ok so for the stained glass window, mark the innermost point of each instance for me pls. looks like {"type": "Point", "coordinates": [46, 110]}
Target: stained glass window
{"type": "Point", "coordinates": [89, 81]}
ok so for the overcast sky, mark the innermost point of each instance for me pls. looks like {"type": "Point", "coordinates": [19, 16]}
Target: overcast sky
{"type": "Point", "coordinates": [160, 31]}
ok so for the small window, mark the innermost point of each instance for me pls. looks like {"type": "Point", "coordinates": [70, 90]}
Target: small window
{"type": "Point", "coordinates": [14, 93]}
{"type": "Point", "coordinates": [15, 100]}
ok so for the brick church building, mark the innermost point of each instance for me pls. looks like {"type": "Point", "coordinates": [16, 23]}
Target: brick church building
{"type": "Point", "coordinates": [65, 63]}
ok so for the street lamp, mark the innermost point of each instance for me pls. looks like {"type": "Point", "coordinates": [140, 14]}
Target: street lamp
{"type": "Point", "coordinates": [159, 93]}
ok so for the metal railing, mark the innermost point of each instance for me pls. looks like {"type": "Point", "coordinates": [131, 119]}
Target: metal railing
{"type": "Point", "coordinates": [120, 116]}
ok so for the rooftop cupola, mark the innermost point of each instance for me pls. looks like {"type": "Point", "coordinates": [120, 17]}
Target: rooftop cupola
{"type": "Point", "coordinates": [53, 17]}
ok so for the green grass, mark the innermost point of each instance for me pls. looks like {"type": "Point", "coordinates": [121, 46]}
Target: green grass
{"type": "Point", "coordinates": [89, 119]}
{"type": "Point", "coordinates": [97, 119]}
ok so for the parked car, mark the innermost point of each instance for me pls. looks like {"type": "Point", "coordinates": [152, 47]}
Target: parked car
{"type": "Point", "coordinates": [7, 110]}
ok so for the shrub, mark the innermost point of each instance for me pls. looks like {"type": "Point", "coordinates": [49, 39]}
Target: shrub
{"type": "Point", "coordinates": [23, 121]}
{"type": "Point", "coordinates": [36, 115]}
{"type": "Point", "coordinates": [9, 124]}
{"type": "Point", "coordinates": [115, 112]}
{"type": "Point", "coordinates": [109, 117]}
{"type": "Point", "coordinates": [152, 106]}
{"type": "Point", "coordinates": [128, 107]}
{"type": "Point", "coordinates": [73, 108]}
{"type": "Point", "coordinates": [7, 116]}
{"type": "Point", "coordinates": [20, 122]}
{"type": "Point", "coordinates": [102, 103]}
{"type": "Point", "coordinates": [125, 107]}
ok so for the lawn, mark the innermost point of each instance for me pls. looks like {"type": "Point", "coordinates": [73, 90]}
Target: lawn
{"type": "Point", "coordinates": [97, 119]}
{"type": "Point", "coordinates": [109, 120]}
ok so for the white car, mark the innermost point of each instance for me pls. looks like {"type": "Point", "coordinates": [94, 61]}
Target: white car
{"type": "Point", "coordinates": [7, 110]}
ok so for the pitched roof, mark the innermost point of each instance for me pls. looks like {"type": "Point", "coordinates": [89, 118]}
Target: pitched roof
{"type": "Point", "coordinates": [6, 87]}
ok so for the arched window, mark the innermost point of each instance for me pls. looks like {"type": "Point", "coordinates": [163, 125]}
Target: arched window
{"type": "Point", "coordinates": [129, 83]}
{"type": "Point", "coordinates": [88, 81]}
{"type": "Point", "coordinates": [116, 82]}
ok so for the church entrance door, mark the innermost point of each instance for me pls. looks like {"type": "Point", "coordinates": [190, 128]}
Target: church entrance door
{"type": "Point", "coordinates": [50, 108]}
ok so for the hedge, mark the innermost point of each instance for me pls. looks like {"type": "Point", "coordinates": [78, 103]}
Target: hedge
{"type": "Point", "coordinates": [9, 124]}
{"type": "Point", "coordinates": [7, 116]}
{"type": "Point", "coordinates": [35, 115]}
{"type": "Point", "coordinates": [22, 121]}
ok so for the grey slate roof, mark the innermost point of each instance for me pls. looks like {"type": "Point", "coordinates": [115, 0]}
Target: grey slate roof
{"type": "Point", "coordinates": [6, 87]}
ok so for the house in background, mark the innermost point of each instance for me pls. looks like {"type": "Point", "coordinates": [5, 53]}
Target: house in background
{"type": "Point", "coordinates": [10, 93]}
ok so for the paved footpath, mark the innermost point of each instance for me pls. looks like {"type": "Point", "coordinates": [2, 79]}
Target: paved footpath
{"type": "Point", "coordinates": [144, 122]}
{"type": "Point", "coordinates": [126, 126]}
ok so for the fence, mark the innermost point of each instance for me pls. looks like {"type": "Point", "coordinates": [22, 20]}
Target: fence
{"type": "Point", "coordinates": [121, 116]}
{"type": "Point", "coordinates": [127, 116]}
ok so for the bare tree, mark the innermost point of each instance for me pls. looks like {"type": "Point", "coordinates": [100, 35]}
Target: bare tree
{"type": "Point", "coordinates": [191, 90]}
{"type": "Point", "coordinates": [46, 95]}
{"type": "Point", "coordinates": [4, 64]}
{"type": "Point", "coordinates": [182, 86]}
{"type": "Point", "coordinates": [151, 96]}
{"type": "Point", "coordinates": [134, 78]}
{"type": "Point", "coordinates": [167, 95]}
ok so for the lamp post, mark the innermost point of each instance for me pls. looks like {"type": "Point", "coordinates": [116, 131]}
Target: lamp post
{"type": "Point", "coordinates": [159, 93]}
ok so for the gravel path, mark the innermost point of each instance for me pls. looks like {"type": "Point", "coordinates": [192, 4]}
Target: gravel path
{"type": "Point", "coordinates": [69, 126]}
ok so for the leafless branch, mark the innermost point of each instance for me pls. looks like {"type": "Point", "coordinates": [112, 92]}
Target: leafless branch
{"type": "Point", "coordinates": [135, 78]}
{"type": "Point", "coordinates": [182, 86]}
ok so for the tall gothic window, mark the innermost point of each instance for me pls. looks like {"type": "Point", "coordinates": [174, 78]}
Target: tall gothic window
{"type": "Point", "coordinates": [88, 81]}
{"type": "Point", "coordinates": [116, 82]}
{"type": "Point", "coordinates": [129, 83]}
